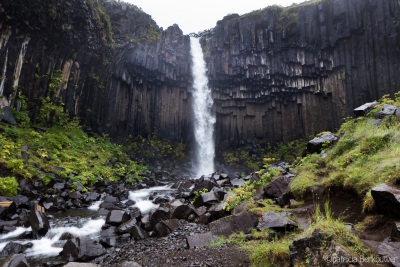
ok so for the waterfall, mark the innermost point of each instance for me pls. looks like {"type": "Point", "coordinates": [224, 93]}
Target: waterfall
{"type": "Point", "coordinates": [204, 118]}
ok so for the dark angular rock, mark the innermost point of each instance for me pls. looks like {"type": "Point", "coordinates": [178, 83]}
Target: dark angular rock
{"type": "Point", "coordinates": [82, 249]}
{"type": "Point", "coordinates": [21, 201]}
{"type": "Point", "coordinates": [38, 221]}
{"type": "Point", "coordinates": [219, 193]}
{"type": "Point", "coordinates": [159, 215]}
{"type": "Point", "coordinates": [242, 222]}
{"type": "Point", "coordinates": [91, 197]}
{"type": "Point", "coordinates": [208, 198]}
{"type": "Point", "coordinates": [395, 234]}
{"type": "Point", "coordinates": [278, 186]}
{"type": "Point", "coordinates": [126, 227]}
{"type": "Point", "coordinates": [387, 199]}
{"type": "Point", "coordinates": [59, 186]}
{"type": "Point", "coordinates": [276, 221]}
{"type": "Point", "coordinates": [165, 227]}
{"type": "Point", "coordinates": [218, 211]}
{"type": "Point", "coordinates": [204, 184]}
{"type": "Point", "coordinates": [180, 210]}
{"type": "Point", "coordinates": [307, 247]}
{"type": "Point", "coordinates": [237, 182]}
{"type": "Point", "coordinates": [315, 145]}
{"type": "Point", "coordinates": [107, 238]}
{"type": "Point", "coordinates": [15, 260]}
{"type": "Point", "coordinates": [200, 240]}
{"type": "Point", "coordinates": [110, 199]}
{"type": "Point", "coordinates": [12, 248]}
{"type": "Point", "coordinates": [7, 115]}
{"type": "Point", "coordinates": [387, 110]}
{"type": "Point", "coordinates": [109, 206]}
{"type": "Point", "coordinates": [135, 212]}
{"type": "Point", "coordinates": [138, 233]}
{"type": "Point", "coordinates": [390, 251]}
{"type": "Point", "coordinates": [240, 208]}
{"type": "Point", "coordinates": [75, 195]}
{"type": "Point", "coordinates": [364, 109]}
{"type": "Point", "coordinates": [117, 217]}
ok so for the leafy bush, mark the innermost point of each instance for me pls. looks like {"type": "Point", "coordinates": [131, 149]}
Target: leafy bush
{"type": "Point", "coordinates": [8, 186]}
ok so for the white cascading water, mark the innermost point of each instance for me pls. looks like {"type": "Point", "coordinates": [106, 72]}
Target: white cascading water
{"type": "Point", "coordinates": [204, 118]}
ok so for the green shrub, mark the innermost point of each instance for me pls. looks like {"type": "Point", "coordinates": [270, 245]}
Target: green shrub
{"type": "Point", "coordinates": [8, 186]}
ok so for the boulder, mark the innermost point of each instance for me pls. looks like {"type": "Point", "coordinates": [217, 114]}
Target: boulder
{"type": "Point", "coordinates": [127, 226]}
{"type": "Point", "coordinates": [12, 248]}
{"type": "Point", "coordinates": [117, 217]}
{"type": "Point", "coordinates": [315, 145]}
{"type": "Point", "coordinates": [278, 186]}
{"type": "Point", "coordinates": [75, 195]}
{"type": "Point", "coordinates": [82, 249]}
{"type": "Point", "coordinates": [109, 206]}
{"type": "Point", "coordinates": [387, 199]}
{"type": "Point", "coordinates": [387, 110]}
{"type": "Point", "coordinates": [308, 249]}
{"type": "Point", "coordinates": [15, 260]}
{"type": "Point", "coordinates": [390, 252]}
{"type": "Point", "coordinates": [218, 211]}
{"type": "Point", "coordinates": [158, 215]}
{"type": "Point", "coordinates": [208, 198]}
{"type": "Point", "coordinates": [200, 240]}
{"type": "Point", "coordinates": [7, 115]}
{"type": "Point", "coordinates": [204, 183]}
{"type": "Point", "coordinates": [138, 233]}
{"type": "Point", "coordinates": [108, 238]}
{"type": "Point", "coordinates": [237, 182]}
{"type": "Point", "coordinates": [226, 226]}
{"type": "Point", "coordinates": [163, 228]}
{"type": "Point", "coordinates": [180, 210]}
{"type": "Point", "coordinates": [395, 234]}
{"type": "Point", "coordinates": [38, 221]}
{"type": "Point", "coordinates": [276, 221]}
{"type": "Point", "coordinates": [364, 109]}
{"type": "Point", "coordinates": [91, 197]}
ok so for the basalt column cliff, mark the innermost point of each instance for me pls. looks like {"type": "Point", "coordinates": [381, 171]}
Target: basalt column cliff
{"type": "Point", "coordinates": [121, 73]}
{"type": "Point", "coordinates": [281, 74]}
{"type": "Point", "coordinates": [276, 74]}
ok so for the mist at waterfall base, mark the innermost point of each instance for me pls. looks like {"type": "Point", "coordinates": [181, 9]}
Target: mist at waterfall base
{"type": "Point", "coordinates": [204, 118]}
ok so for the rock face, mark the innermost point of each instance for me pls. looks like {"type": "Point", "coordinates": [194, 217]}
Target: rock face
{"type": "Point", "coordinates": [280, 74]}
{"type": "Point", "coordinates": [276, 74]}
{"type": "Point", "coordinates": [120, 73]}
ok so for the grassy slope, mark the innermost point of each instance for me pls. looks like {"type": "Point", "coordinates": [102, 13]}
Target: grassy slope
{"type": "Point", "coordinates": [365, 156]}
{"type": "Point", "coordinates": [60, 151]}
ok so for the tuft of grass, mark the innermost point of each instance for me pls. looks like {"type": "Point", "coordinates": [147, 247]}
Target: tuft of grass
{"type": "Point", "coordinates": [259, 208]}
{"type": "Point", "coordinates": [271, 254]}
{"type": "Point", "coordinates": [335, 229]}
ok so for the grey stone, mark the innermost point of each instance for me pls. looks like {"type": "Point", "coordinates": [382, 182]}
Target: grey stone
{"type": "Point", "coordinates": [200, 240]}
{"type": "Point", "coordinates": [226, 226]}
{"type": "Point", "coordinates": [364, 109]}
{"type": "Point", "coordinates": [387, 199]}
{"type": "Point", "coordinates": [276, 221]}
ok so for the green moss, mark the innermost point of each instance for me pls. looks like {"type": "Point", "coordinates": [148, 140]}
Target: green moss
{"type": "Point", "coordinates": [58, 151]}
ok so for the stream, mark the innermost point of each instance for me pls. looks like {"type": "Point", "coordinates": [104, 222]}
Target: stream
{"type": "Point", "coordinates": [79, 222]}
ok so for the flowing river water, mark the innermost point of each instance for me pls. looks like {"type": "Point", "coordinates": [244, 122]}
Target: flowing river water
{"type": "Point", "coordinates": [79, 222]}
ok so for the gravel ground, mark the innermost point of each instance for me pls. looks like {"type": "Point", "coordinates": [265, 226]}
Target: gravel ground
{"type": "Point", "coordinates": [173, 250]}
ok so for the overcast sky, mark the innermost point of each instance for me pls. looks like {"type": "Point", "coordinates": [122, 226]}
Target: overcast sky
{"type": "Point", "coordinates": [195, 16]}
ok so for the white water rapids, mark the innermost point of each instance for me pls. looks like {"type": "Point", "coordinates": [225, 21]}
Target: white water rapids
{"type": "Point", "coordinates": [204, 118]}
{"type": "Point", "coordinates": [82, 225]}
